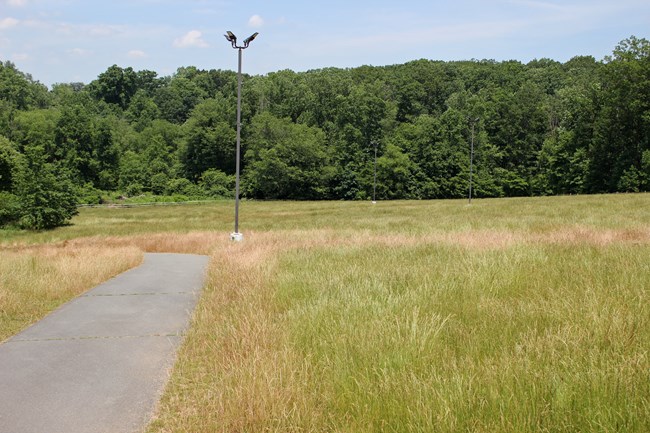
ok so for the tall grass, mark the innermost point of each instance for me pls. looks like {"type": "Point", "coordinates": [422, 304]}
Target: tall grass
{"type": "Point", "coordinates": [514, 315]}
{"type": "Point", "coordinates": [520, 324]}
{"type": "Point", "coordinates": [516, 215]}
{"type": "Point", "coordinates": [436, 337]}
{"type": "Point", "coordinates": [440, 338]}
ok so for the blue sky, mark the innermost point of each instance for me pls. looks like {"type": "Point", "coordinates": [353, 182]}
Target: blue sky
{"type": "Point", "coordinates": [59, 41]}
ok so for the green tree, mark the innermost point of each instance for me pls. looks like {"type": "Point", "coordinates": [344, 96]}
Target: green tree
{"type": "Point", "coordinates": [20, 90]}
{"type": "Point", "coordinates": [133, 171]}
{"type": "Point", "coordinates": [8, 160]}
{"type": "Point", "coordinates": [36, 128]}
{"type": "Point", "coordinates": [177, 99]}
{"type": "Point", "coordinates": [142, 110]}
{"type": "Point", "coordinates": [9, 202]}
{"type": "Point", "coordinates": [210, 141]}
{"type": "Point", "coordinates": [115, 86]}
{"type": "Point", "coordinates": [397, 175]}
{"type": "Point", "coordinates": [622, 125]}
{"type": "Point", "coordinates": [74, 143]}
{"type": "Point", "coordinates": [285, 160]}
{"type": "Point", "coordinates": [46, 194]}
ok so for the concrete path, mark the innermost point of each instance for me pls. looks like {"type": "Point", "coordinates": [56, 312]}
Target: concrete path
{"type": "Point", "coordinates": [100, 362]}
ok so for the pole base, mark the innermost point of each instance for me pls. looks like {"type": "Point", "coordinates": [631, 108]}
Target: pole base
{"type": "Point", "coordinates": [236, 237]}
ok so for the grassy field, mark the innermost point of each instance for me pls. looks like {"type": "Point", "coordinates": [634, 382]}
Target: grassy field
{"type": "Point", "coordinates": [511, 315]}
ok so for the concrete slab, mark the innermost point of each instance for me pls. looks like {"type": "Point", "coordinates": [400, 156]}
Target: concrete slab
{"type": "Point", "coordinates": [115, 316]}
{"type": "Point", "coordinates": [83, 386]}
{"type": "Point", "coordinates": [100, 362]}
{"type": "Point", "coordinates": [160, 273]}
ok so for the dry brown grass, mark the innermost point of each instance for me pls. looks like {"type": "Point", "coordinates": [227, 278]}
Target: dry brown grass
{"type": "Point", "coordinates": [251, 372]}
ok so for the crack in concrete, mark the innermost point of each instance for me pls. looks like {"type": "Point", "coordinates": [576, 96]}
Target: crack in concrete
{"type": "Point", "coordinates": [108, 295]}
{"type": "Point", "coordinates": [90, 337]}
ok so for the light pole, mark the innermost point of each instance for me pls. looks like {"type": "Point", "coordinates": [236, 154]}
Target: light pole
{"type": "Point", "coordinates": [374, 184]}
{"type": "Point", "coordinates": [236, 236]}
{"type": "Point", "coordinates": [471, 160]}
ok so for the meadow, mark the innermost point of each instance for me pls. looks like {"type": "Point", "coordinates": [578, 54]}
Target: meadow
{"type": "Point", "coordinates": [507, 315]}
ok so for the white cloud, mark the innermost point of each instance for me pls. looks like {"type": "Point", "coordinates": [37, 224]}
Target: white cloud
{"type": "Point", "coordinates": [20, 57]}
{"type": "Point", "coordinates": [103, 30]}
{"type": "Point", "coordinates": [191, 39]}
{"type": "Point", "coordinates": [8, 22]}
{"type": "Point", "coordinates": [136, 54]}
{"type": "Point", "coordinates": [256, 21]}
{"type": "Point", "coordinates": [16, 3]}
{"type": "Point", "coordinates": [538, 4]}
{"type": "Point", "coordinates": [80, 52]}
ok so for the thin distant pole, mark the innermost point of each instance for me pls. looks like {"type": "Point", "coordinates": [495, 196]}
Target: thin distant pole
{"type": "Point", "coordinates": [471, 160]}
{"type": "Point", "coordinates": [374, 184]}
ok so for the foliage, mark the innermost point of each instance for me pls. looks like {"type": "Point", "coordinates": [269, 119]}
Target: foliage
{"type": "Point", "coordinates": [9, 208]}
{"type": "Point", "coordinates": [34, 194]}
{"type": "Point", "coordinates": [217, 184]}
{"type": "Point", "coordinates": [541, 128]}
{"type": "Point", "coordinates": [8, 164]}
{"type": "Point", "coordinates": [209, 140]}
{"type": "Point", "coordinates": [285, 160]}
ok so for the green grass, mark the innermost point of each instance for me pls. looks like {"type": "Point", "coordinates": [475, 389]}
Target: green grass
{"type": "Point", "coordinates": [621, 212]}
{"type": "Point", "coordinates": [439, 338]}
{"type": "Point", "coordinates": [509, 315]}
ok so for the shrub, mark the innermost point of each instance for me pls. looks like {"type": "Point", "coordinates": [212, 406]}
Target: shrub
{"type": "Point", "coordinates": [182, 186]}
{"type": "Point", "coordinates": [9, 208]}
{"type": "Point", "coordinates": [133, 189]}
{"type": "Point", "coordinates": [217, 184]}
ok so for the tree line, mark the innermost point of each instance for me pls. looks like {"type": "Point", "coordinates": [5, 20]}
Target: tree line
{"type": "Point", "coordinates": [542, 128]}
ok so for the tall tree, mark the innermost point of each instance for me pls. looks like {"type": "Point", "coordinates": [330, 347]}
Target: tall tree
{"type": "Point", "coordinates": [622, 127]}
{"type": "Point", "coordinates": [115, 86]}
{"type": "Point", "coordinates": [210, 141]}
{"type": "Point", "coordinates": [285, 160]}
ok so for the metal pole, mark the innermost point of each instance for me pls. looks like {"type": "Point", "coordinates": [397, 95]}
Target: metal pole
{"type": "Point", "coordinates": [374, 185]}
{"type": "Point", "coordinates": [238, 144]}
{"type": "Point", "coordinates": [230, 37]}
{"type": "Point", "coordinates": [471, 163]}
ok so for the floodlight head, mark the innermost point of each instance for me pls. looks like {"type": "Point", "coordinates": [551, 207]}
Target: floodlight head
{"type": "Point", "coordinates": [249, 39]}
{"type": "Point", "coordinates": [231, 37]}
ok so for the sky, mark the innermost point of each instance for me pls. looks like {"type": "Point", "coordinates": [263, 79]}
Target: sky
{"type": "Point", "coordinates": [63, 41]}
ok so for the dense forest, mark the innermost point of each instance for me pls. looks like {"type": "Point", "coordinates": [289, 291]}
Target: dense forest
{"type": "Point", "coordinates": [541, 128]}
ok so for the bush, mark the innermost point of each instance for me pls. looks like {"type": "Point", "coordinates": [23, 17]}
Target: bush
{"type": "Point", "coordinates": [217, 184]}
{"type": "Point", "coordinates": [9, 208]}
{"type": "Point", "coordinates": [88, 194]}
{"type": "Point", "coordinates": [133, 189]}
{"type": "Point", "coordinates": [159, 183]}
{"type": "Point", "coordinates": [182, 186]}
